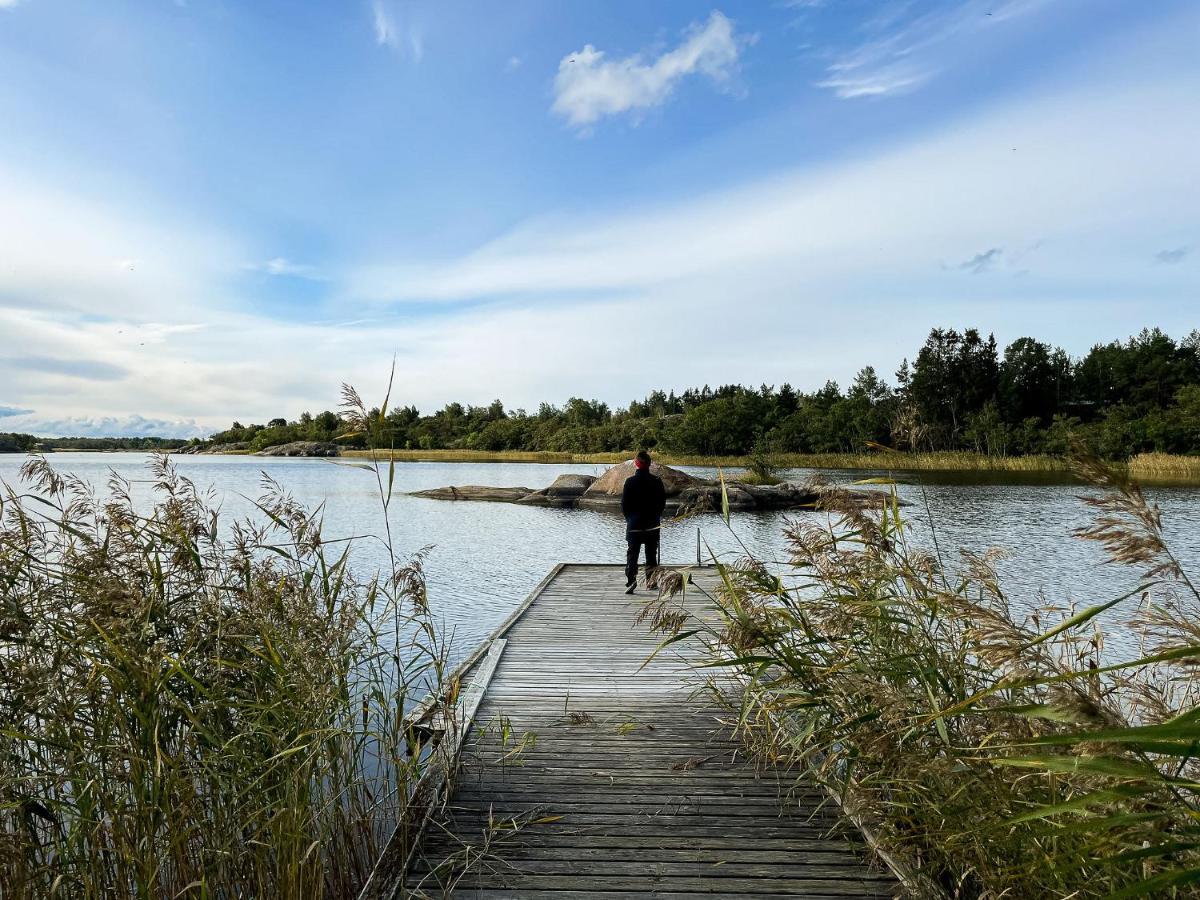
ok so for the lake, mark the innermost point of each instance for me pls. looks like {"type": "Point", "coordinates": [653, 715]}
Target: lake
{"type": "Point", "coordinates": [487, 557]}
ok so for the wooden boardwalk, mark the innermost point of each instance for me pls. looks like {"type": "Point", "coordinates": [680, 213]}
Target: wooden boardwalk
{"type": "Point", "coordinates": [588, 776]}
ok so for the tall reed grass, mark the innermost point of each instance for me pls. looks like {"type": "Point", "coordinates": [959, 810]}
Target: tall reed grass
{"type": "Point", "coordinates": [191, 707]}
{"type": "Point", "coordinates": [992, 754]}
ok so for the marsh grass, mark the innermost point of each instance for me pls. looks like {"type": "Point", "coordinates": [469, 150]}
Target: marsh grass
{"type": "Point", "coordinates": [991, 754]}
{"type": "Point", "coordinates": [1163, 468]}
{"type": "Point", "coordinates": [191, 707]}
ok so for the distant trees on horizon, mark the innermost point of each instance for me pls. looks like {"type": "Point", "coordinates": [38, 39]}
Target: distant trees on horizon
{"type": "Point", "coordinates": [959, 392]}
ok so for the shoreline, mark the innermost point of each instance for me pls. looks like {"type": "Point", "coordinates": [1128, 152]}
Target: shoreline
{"type": "Point", "coordinates": [1148, 468]}
{"type": "Point", "coordinates": [1161, 469]}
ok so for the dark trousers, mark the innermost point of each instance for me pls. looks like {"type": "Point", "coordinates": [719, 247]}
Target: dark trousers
{"type": "Point", "coordinates": [636, 541]}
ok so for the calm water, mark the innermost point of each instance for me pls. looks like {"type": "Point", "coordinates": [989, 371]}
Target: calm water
{"type": "Point", "coordinates": [486, 557]}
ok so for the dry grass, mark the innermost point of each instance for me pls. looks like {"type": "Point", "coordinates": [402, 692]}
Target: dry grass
{"type": "Point", "coordinates": [1154, 466]}
{"type": "Point", "coordinates": [196, 708]}
{"type": "Point", "coordinates": [534, 456]}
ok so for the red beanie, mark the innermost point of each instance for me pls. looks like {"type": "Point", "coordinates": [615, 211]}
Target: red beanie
{"type": "Point", "coordinates": [640, 463]}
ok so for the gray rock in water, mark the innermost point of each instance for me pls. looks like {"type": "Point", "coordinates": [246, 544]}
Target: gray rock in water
{"type": "Point", "coordinates": [302, 448]}
{"type": "Point", "coordinates": [685, 493]}
{"type": "Point", "coordinates": [476, 492]}
{"type": "Point", "coordinates": [563, 493]}
{"type": "Point", "coordinates": [570, 485]}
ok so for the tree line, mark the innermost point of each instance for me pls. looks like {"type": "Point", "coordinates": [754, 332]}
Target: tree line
{"type": "Point", "coordinates": [959, 392]}
{"type": "Point", "coordinates": [18, 442]}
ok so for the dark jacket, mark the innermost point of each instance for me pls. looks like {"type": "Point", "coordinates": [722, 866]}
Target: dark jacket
{"type": "Point", "coordinates": [642, 501]}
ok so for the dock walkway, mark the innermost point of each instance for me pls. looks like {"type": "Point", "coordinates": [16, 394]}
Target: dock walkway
{"type": "Point", "coordinates": [586, 775]}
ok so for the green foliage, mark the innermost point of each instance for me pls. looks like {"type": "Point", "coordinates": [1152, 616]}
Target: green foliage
{"type": "Point", "coordinates": [23, 443]}
{"type": "Point", "coordinates": [991, 756]}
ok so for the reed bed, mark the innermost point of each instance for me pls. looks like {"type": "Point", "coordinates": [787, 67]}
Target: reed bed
{"type": "Point", "coordinates": [196, 708]}
{"type": "Point", "coordinates": [1154, 467]}
{"type": "Point", "coordinates": [989, 754]}
{"type": "Point", "coordinates": [534, 456]}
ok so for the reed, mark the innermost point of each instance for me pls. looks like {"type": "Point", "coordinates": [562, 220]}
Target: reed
{"type": "Point", "coordinates": [534, 456]}
{"type": "Point", "coordinates": [992, 754]}
{"type": "Point", "coordinates": [1158, 467]}
{"type": "Point", "coordinates": [191, 707]}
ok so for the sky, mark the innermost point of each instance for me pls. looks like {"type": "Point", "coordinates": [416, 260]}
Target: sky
{"type": "Point", "coordinates": [215, 210]}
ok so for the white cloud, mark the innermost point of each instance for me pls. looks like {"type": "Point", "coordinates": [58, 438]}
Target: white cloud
{"type": "Point", "coordinates": [108, 426]}
{"type": "Point", "coordinates": [917, 47]}
{"type": "Point", "coordinates": [589, 86]}
{"type": "Point", "coordinates": [385, 29]}
{"type": "Point", "coordinates": [514, 63]}
{"type": "Point", "coordinates": [8, 4]}
{"type": "Point", "coordinates": [389, 32]}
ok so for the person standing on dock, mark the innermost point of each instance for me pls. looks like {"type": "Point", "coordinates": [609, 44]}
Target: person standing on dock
{"type": "Point", "coordinates": [642, 502]}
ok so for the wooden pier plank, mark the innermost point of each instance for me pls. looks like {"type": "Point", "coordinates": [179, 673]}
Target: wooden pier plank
{"type": "Point", "coordinates": [592, 774]}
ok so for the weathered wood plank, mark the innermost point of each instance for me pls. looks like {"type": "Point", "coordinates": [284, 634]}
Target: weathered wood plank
{"type": "Point", "coordinates": [590, 773]}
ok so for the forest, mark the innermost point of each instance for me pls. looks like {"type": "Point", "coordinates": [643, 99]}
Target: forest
{"type": "Point", "coordinates": [958, 392]}
{"type": "Point", "coordinates": [16, 442]}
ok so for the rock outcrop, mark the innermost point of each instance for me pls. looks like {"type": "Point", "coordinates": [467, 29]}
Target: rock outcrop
{"type": "Point", "coordinates": [684, 493]}
{"type": "Point", "coordinates": [476, 492]}
{"type": "Point", "coordinates": [302, 448]}
{"type": "Point", "coordinates": [565, 491]}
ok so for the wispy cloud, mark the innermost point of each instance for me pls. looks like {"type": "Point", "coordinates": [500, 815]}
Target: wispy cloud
{"type": "Point", "coordinates": [1170, 257]}
{"type": "Point", "coordinates": [8, 4]}
{"type": "Point", "coordinates": [6, 411]}
{"type": "Point", "coordinates": [911, 43]}
{"type": "Point", "coordinates": [283, 266]}
{"type": "Point", "coordinates": [91, 370]}
{"type": "Point", "coordinates": [392, 33]}
{"type": "Point", "coordinates": [871, 225]}
{"type": "Point", "coordinates": [589, 87]}
{"type": "Point", "coordinates": [514, 63]}
{"type": "Point", "coordinates": [981, 262]}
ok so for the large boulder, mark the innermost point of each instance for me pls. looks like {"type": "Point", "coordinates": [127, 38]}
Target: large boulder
{"type": "Point", "coordinates": [613, 481]}
{"type": "Point", "coordinates": [301, 448]}
{"type": "Point", "coordinates": [563, 493]}
{"type": "Point", "coordinates": [570, 485]}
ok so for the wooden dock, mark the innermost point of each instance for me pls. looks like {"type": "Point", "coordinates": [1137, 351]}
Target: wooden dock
{"type": "Point", "coordinates": [587, 775]}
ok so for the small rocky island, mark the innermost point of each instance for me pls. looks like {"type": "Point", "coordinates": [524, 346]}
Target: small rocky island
{"type": "Point", "coordinates": [684, 492]}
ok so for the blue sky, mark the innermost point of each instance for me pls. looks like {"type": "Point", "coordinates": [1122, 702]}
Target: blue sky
{"type": "Point", "coordinates": [212, 209]}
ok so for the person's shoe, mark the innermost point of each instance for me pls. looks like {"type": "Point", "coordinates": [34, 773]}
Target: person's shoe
{"type": "Point", "coordinates": [630, 588]}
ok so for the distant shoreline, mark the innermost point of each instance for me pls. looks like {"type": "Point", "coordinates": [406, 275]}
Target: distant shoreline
{"type": "Point", "coordinates": [1154, 468]}
{"type": "Point", "coordinates": [1164, 469]}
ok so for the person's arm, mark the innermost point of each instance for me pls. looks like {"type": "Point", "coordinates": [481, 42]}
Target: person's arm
{"type": "Point", "coordinates": [660, 501]}
{"type": "Point", "coordinates": [625, 498]}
